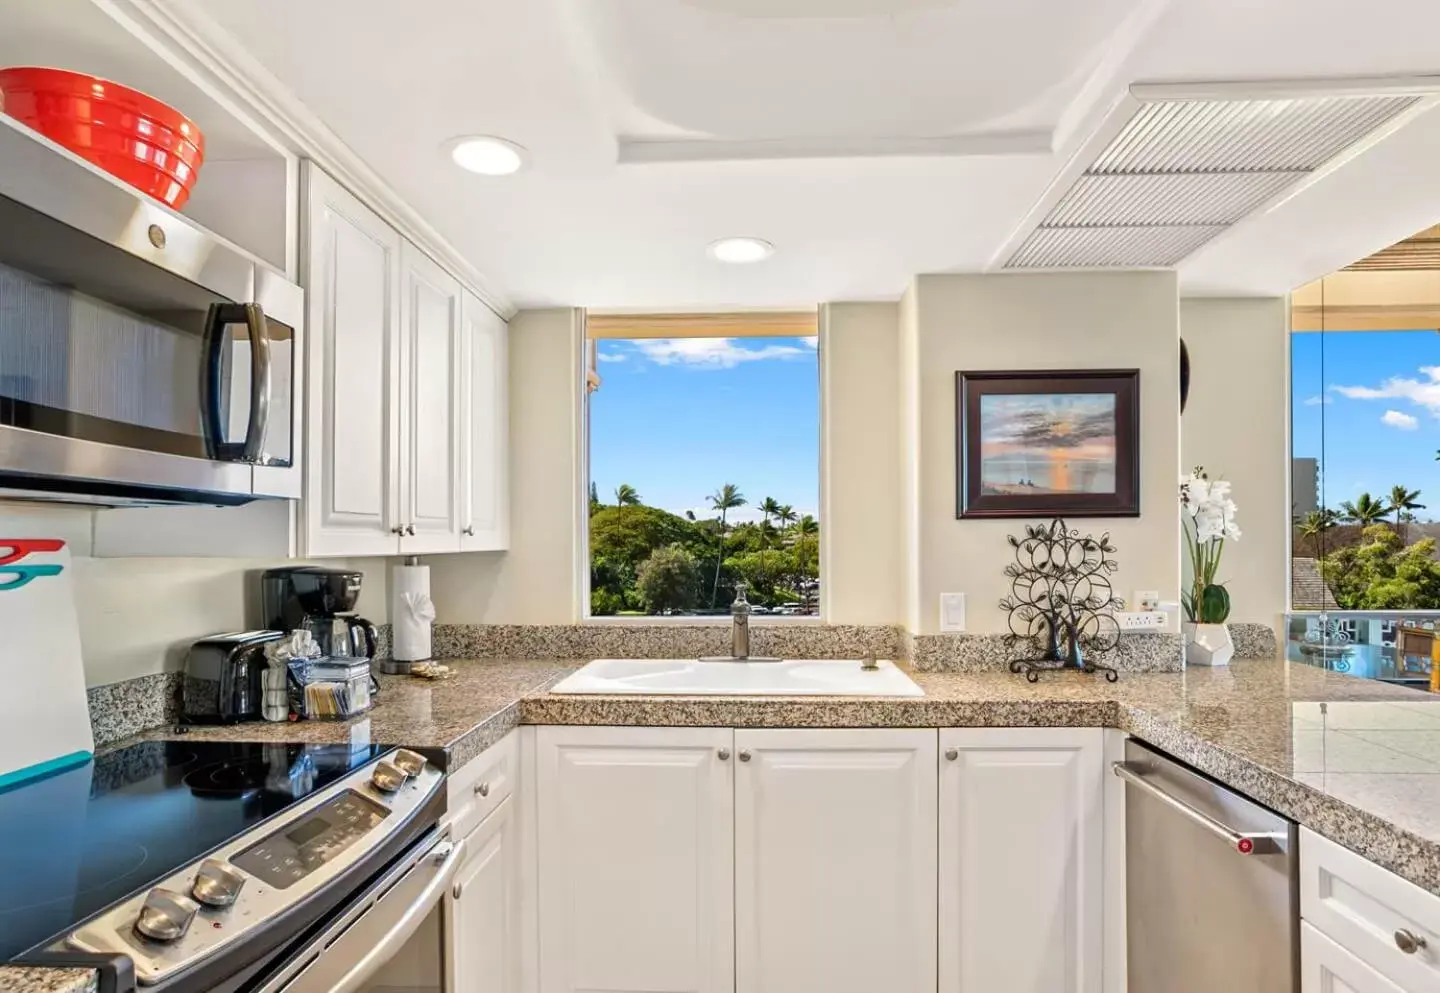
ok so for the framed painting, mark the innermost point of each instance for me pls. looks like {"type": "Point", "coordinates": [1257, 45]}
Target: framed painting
{"type": "Point", "coordinates": [1048, 444]}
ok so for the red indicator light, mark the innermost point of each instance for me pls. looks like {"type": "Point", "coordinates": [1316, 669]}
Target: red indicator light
{"type": "Point", "coordinates": [1246, 846]}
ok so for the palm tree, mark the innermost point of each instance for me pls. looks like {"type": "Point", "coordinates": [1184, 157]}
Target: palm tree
{"type": "Point", "coordinates": [786, 515]}
{"type": "Point", "coordinates": [1402, 501]}
{"type": "Point", "coordinates": [725, 499]}
{"type": "Point", "coordinates": [1366, 510]}
{"type": "Point", "coordinates": [626, 496]}
{"type": "Point", "coordinates": [769, 507]}
{"type": "Point", "coordinates": [1317, 522]}
{"type": "Point", "coordinates": [807, 527]}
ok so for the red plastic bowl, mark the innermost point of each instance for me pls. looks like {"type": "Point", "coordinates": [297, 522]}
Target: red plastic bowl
{"type": "Point", "coordinates": [133, 137]}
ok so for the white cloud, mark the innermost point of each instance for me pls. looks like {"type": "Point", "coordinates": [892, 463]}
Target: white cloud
{"type": "Point", "coordinates": [811, 341]}
{"type": "Point", "coordinates": [1421, 392]}
{"type": "Point", "coordinates": [1316, 401]}
{"type": "Point", "coordinates": [710, 353]}
{"type": "Point", "coordinates": [1398, 420]}
{"type": "Point", "coordinates": [611, 357]}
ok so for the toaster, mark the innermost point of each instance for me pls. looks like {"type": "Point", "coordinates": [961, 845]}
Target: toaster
{"type": "Point", "coordinates": [222, 677]}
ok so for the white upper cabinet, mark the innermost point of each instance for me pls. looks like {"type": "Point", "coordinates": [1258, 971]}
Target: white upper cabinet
{"type": "Point", "coordinates": [351, 271]}
{"type": "Point", "coordinates": [407, 431]}
{"type": "Point", "coordinates": [485, 439]}
{"type": "Point", "coordinates": [636, 849]}
{"type": "Point", "coordinates": [1021, 857]}
{"type": "Point", "coordinates": [430, 406]}
{"type": "Point", "coordinates": [835, 861]}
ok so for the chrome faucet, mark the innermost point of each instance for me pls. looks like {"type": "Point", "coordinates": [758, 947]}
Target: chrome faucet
{"type": "Point", "coordinates": [740, 628]}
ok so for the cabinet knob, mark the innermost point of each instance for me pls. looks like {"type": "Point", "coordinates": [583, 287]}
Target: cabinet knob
{"type": "Point", "coordinates": [410, 529]}
{"type": "Point", "coordinates": [744, 755]}
{"type": "Point", "coordinates": [470, 530]}
{"type": "Point", "coordinates": [482, 789]}
{"type": "Point", "coordinates": [455, 891]}
{"type": "Point", "coordinates": [1408, 941]}
{"type": "Point", "coordinates": [951, 754]}
{"type": "Point", "coordinates": [723, 754]}
{"type": "Point", "coordinates": [398, 529]}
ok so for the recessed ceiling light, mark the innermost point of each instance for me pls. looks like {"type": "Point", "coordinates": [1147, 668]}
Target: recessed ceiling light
{"type": "Point", "coordinates": [487, 155]}
{"type": "Point", "coordinates": [741, 250]}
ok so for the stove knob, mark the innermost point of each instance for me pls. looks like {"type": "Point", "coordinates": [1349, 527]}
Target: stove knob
{"type": "Point", "coordinates": [217, 884]}
{"type": "Point", "coordinates": [166, 915]}
{"type": "Point", "coordinates": [411, 763]}
{"type": "Point", "coordinates": [387, 778]}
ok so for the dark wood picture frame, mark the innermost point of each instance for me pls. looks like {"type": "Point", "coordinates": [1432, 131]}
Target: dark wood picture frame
{"type": "Point", "coordinates": [970, 387]}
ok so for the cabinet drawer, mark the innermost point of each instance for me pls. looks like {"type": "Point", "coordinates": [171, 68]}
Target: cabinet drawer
{"type": "Point", "coordinates": [1325, 967]}
{"type": "Point", "coordinates": [481, 784]}
{"type": "Point", "coordinates": [1371, 913]}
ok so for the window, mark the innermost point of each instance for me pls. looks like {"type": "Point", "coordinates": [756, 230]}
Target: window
{"type": "Point", "coordinates": [1365, 481]}
{"type": "Point", "coordinates": [704, 450]}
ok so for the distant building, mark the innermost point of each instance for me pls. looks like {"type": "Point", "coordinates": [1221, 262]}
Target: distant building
{"type": "Point", "coordinates": [1304, 487]}
{"type": "Point", "coordinates": [1308, 589]}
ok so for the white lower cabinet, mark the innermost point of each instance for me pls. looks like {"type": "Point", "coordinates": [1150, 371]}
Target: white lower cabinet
{"type": "Point", "coordinates": [483, 909]}
{"type": "Point", "coordinates": [835, 861]}
{"type": "Point", "coordinates": [1021, 860]}
{"type": "Point", "coordinates": [635, 857]}
{"type": "Point", "coordinates": [1325, 967]}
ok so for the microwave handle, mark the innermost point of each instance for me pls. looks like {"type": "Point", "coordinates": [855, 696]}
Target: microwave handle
{"type": "Point", "coordinates": [222, 315]}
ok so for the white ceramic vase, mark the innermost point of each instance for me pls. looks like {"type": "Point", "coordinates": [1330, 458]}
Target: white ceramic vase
{"type": "Point", "coordinates": [1208, 644]}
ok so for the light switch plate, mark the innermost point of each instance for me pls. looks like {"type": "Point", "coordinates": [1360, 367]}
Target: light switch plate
{"type": "Point", "coordinates": [952, 611]}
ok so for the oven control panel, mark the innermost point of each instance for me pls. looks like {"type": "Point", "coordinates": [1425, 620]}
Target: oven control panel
{"type": "Point", "coordinates": [213, 903]}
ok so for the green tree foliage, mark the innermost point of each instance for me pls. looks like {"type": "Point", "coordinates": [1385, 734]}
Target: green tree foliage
{"type": "Point", "coordinates": [1365, 511]}
{"type": "Point", "coordinates": [1381, 573]}
{"type": "Point", "coordinates": [626, 496]}
{"type": "Point", "coordinates": [669, 579]}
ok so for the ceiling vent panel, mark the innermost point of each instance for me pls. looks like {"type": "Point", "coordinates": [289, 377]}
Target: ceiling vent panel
{"type": "Point", "coordinates": [1169, 199]}
{"type": "Point", "coordinates": [1093, 248]}
{"type": "Point", "coordinates": [1181, 171]}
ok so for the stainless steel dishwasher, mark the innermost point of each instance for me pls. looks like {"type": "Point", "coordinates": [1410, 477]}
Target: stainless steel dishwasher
{"type": "Point", "coordinates": [1212, 895]}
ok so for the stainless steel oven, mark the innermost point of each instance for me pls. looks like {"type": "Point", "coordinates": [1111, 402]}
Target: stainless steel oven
{"type": "Point", "coordinates": [142, 358]}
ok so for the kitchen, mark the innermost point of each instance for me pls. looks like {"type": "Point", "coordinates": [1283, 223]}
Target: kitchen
{"type": "Point", "coordinates": [398, 395]}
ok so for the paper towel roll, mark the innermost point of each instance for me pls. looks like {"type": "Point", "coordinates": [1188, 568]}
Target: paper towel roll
{"type": "Point", "coordinates": [411, 612]}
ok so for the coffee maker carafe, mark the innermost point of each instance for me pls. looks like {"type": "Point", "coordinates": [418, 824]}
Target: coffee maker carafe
{"type": "Point", "coordinates": [321, 601]}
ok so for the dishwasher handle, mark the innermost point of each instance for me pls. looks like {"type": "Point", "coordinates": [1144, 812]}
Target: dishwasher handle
{"type": "Point", "coordinates": [1244, 842]}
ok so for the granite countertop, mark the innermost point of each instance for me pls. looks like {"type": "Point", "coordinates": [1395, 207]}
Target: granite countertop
{"type": "Point", "coordinates": [36, 979]}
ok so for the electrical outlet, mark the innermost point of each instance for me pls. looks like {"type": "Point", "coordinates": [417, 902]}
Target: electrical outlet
{"type": "Point", "coordinates": [952, 611]}
{"type": "Point", "coordinates": [1142, 620]}
{"type": "Point", "coordinates": [1146, 600]}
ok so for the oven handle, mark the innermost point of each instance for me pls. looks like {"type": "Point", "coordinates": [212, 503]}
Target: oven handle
{"type": "Point", "coordinates": [446, 857]}
{"type": "Point", "coordinates": [221, 316]}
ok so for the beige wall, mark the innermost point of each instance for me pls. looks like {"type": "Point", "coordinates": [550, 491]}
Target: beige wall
{"type": "Point", "coordinates": [1235, 426]}
{"type": "Point", "coordinates": [1039, 321]}
{"type": "Point", "coordinates": [860, 463]}
{"type": "Point", "coordinates": [138, 615]}
{"type": "Point", "coordinates": [537, 581]}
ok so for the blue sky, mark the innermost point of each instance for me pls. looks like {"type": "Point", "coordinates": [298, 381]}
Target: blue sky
{"type": "Point", "coordinates": [1379, 400]}
{"type": "Point", "coordinates": [677, 418]}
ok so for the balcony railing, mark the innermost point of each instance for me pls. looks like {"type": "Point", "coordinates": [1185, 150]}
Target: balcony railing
{"type": "Point", "coordinates": [1392, 646]}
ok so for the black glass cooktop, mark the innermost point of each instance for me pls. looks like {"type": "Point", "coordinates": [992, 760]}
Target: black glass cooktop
{"type": "Point", "coordinates": [74, 843]}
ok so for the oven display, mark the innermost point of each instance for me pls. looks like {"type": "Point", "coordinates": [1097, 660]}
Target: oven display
{"type": "Point", "coordinates": [289, 855]}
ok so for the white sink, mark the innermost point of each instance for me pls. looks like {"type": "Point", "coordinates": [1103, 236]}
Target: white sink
{"type": "Point", "coordinates": [793, 677]}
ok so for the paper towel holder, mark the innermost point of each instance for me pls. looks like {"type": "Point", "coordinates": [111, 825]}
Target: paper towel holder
{"type": "Point", "coordinates": [402, 667]}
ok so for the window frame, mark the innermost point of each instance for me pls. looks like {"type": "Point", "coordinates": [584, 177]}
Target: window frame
{"type": "Point", "coordinates": [631, 326]}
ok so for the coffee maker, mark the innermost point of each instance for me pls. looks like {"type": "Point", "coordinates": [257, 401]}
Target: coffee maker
{"type": "Point", "coordinates": [321, 601]}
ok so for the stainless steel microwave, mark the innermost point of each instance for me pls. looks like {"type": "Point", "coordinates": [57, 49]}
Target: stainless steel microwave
{"type": "Point", "coordinates": [143, 359]}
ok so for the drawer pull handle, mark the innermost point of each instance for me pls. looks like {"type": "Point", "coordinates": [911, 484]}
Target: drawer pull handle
{"type": "Point", "coordinates": [1408, 941]}
{"type": "Point", "coordinates": [482, 789]}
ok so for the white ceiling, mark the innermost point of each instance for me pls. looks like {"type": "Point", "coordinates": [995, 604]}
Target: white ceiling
{"type": "Point", "coordinates": [785, 119]}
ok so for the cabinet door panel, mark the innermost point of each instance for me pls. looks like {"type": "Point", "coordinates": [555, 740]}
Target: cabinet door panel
{"type": "Point", "coordinates": [432, 379]}
{"type": "Point", "coordinates": [635, 845]}
{"type": "Point", "coordinates": [484, 909]}
{"type": "Point", "coordinates": [485, 450]}
{"type": "Point", "coordinates": [1021, 855]}
{"type": "Point", "coordinates": [352, 274]}
{"type": "Point", "coordinates": [835, 861]}
{"type": "Point", "coordinates": [1325, 967]}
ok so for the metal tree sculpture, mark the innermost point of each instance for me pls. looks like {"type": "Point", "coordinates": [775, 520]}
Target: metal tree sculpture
{"type": "Point", "coordinates": [1061, 602]}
